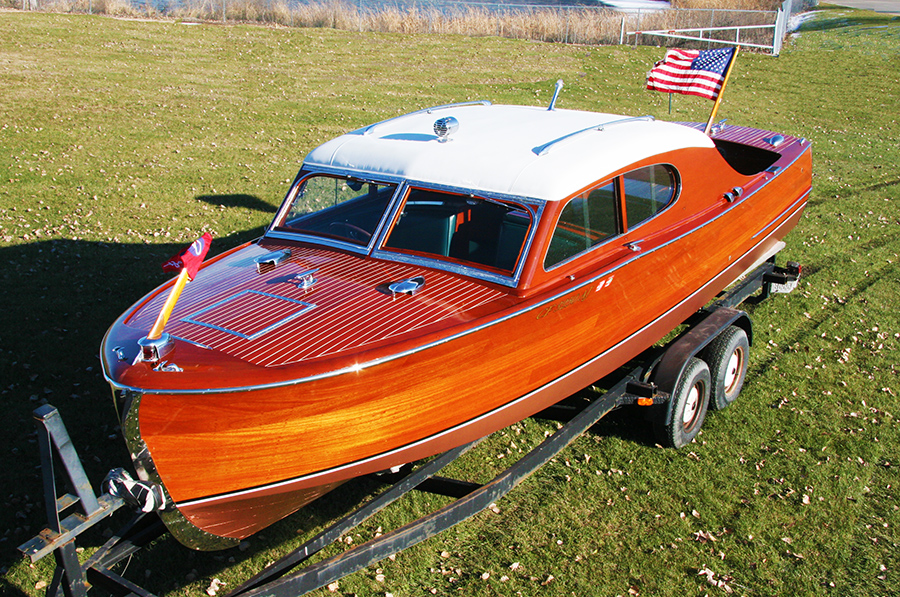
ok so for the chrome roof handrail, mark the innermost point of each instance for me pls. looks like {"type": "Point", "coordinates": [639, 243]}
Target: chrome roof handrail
{"type": "Point", "coordinates": [544, 149]}
{"type": "Point", "coordinates": [368, 130]}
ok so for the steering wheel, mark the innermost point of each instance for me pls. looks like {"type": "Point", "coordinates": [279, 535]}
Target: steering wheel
{"type": "Point", "coordinates": [353, 232]}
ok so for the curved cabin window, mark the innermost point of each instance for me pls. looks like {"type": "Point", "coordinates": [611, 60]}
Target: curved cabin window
{"type": "Point", "coordinates": [591, 218]}
{"type": "Point", "coordinates": [647, 192]}
{"type": "Point", "coordinates": [586, 221]}
{"type": "Point", "coordinates": [343, 209]}
{"type": "Point", "coordinates": [471, 230]}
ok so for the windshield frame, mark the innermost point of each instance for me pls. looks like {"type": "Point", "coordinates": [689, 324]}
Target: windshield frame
{"type": "Point", "coordinates": [534, 208]}
{"type": "Point", "coordinates": [376, 244]}
{"type": "Point", "coordinates": [276, 230]}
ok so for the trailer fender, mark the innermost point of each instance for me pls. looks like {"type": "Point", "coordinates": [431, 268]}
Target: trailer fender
{"type": "Point", "coordinates": [690, 344]}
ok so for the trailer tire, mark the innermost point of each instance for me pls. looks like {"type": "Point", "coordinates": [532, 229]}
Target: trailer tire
{"type": "Point", "coordinates": [727, 356]}
{"type": "Point", "coordinates": [689, 403]}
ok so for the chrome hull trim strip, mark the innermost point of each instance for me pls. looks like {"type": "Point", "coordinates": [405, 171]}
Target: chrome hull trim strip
{"type": "Point", "coordinates": [784, 214]}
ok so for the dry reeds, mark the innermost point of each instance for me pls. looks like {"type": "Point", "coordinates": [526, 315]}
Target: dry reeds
{"type": "Point", "coordinates": [563, 24]}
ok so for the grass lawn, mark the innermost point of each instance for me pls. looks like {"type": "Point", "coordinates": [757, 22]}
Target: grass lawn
{"type": "Point", "coordinates": [120, 141]}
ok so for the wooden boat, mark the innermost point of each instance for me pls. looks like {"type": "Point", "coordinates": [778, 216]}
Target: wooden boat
{"type": "Point", "coordinates": [428, 280]}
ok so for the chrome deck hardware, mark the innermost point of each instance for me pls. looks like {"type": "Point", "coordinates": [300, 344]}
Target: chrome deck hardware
{"type": "Point", "coordinates": [269, 261]}
{"type": "Point", "coordinates": [408, 286]}
{"type": "Point", "coordinates": [154, 349]}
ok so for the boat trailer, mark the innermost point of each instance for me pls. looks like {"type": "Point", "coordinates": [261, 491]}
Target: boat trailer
{"type": "Point", "coordinates": [648, 381]}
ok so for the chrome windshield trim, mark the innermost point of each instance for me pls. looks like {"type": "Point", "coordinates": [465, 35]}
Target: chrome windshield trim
{"type": "Point", "coordinates": [318, 240]}
{"type": "Point", "coordinates": [534, 206]}
{"type": "Point", "coordinates": [535, 209]}
{"type": "Point", "coordinates": [454, 268]}
{"type": "Point", "coordinates": [272, 232]}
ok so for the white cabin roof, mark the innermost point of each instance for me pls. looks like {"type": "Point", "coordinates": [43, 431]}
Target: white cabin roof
{"type": "Point", "coordinates": [513, 150]}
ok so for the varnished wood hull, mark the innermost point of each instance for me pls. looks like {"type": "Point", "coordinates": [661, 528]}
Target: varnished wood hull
{"type": "Point", "coordinates": [234, 462]}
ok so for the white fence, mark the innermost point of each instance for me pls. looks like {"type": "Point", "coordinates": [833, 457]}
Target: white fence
{"type": "Point", "coordinates": [747, 36]}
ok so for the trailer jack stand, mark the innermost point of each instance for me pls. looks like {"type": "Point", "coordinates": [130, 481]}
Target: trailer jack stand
{"type": "Point", "coordinates": [70, 577]}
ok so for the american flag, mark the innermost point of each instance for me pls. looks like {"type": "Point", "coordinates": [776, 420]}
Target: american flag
{"type": "Point", "coordinates": [692, 72]}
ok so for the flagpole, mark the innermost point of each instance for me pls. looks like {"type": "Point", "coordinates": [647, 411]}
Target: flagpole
{"type": "Point", "coordinates": [721, 91]}
{"type": "Point", "coordinates": [156, 330]}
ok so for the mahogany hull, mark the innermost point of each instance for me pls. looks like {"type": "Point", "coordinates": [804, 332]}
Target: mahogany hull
{"type": "Point", "coordinates": [234, 462]}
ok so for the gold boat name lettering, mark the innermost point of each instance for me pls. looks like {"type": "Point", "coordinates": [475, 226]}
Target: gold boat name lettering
{"type": "Point", "coordinates": [566, 302]}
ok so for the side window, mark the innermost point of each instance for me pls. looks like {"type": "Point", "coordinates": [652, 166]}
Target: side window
{"type": "Point", "coordinates": [647, 192]}
{"type": "Point", "coordinates": [586, 221]}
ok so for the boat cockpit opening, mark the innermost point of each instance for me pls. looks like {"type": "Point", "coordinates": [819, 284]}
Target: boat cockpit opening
{"type": "Point", "coordinates": [745, 159]}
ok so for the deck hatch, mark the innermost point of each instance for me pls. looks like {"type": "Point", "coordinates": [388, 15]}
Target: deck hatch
{"type": "Point", "coordinates": [239, 314]}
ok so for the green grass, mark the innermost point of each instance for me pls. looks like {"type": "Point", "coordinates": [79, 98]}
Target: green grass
{"type": "Point", "coordinates": [120, 141]}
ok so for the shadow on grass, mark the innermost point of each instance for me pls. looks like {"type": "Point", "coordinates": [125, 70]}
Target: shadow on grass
{"type": "Point", "coordinates": [830, 17]}
{"type": "Point", "coordinates": [240, 200]}
{"type": "Point", "coordinates": [59, 297]}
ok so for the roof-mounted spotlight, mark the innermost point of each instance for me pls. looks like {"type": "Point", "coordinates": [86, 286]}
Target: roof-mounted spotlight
{"type": "Point", "coordinates": [444, 127]}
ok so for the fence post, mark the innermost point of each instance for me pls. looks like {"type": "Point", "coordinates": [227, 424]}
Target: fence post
{"type": "Point", "coordinates": [780, 30]}
{"type": "Point", "coordinates": [622, 33]}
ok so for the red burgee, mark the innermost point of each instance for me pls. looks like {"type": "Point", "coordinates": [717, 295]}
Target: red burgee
{"type": "Point", "coordinates": [190, 258]}
{"type": "Point", "coordinates": [692, 72]}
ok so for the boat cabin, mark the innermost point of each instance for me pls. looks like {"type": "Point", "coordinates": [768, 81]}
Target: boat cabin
{"type": "Point", "coordinates": [468, 189]}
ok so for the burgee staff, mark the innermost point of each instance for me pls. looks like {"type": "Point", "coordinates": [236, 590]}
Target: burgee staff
{"type": "Point", "coordinates": [187, 263]}
{"type": "Point", "coordinates": [719, 96]}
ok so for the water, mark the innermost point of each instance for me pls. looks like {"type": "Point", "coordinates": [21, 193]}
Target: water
{"type": "Point", "coordinates": [165, 6]}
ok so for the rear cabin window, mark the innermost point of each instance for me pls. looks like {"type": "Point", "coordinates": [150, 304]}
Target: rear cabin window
{"type": "Point", "coordinates": [647, 192]}
{"type": "Point", "coordinates": [593, 217]}
{"type": "Point", "coordinates": [468, 229]}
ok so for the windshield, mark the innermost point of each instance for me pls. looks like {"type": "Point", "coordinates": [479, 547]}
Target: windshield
{"type": "Point", "coordinates": [344, 209]}
{"type": "Point", "coordinates": [461, 228]}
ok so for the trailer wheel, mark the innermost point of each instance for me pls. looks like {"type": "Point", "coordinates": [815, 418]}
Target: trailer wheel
{"type": "Point", "coordinates": [728, 356]}
{"type": "Point", "coordinates": [689, 404]}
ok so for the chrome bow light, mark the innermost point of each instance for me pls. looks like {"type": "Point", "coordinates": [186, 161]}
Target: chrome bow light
{"type": "Point", "coordinates": [444, 127]}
